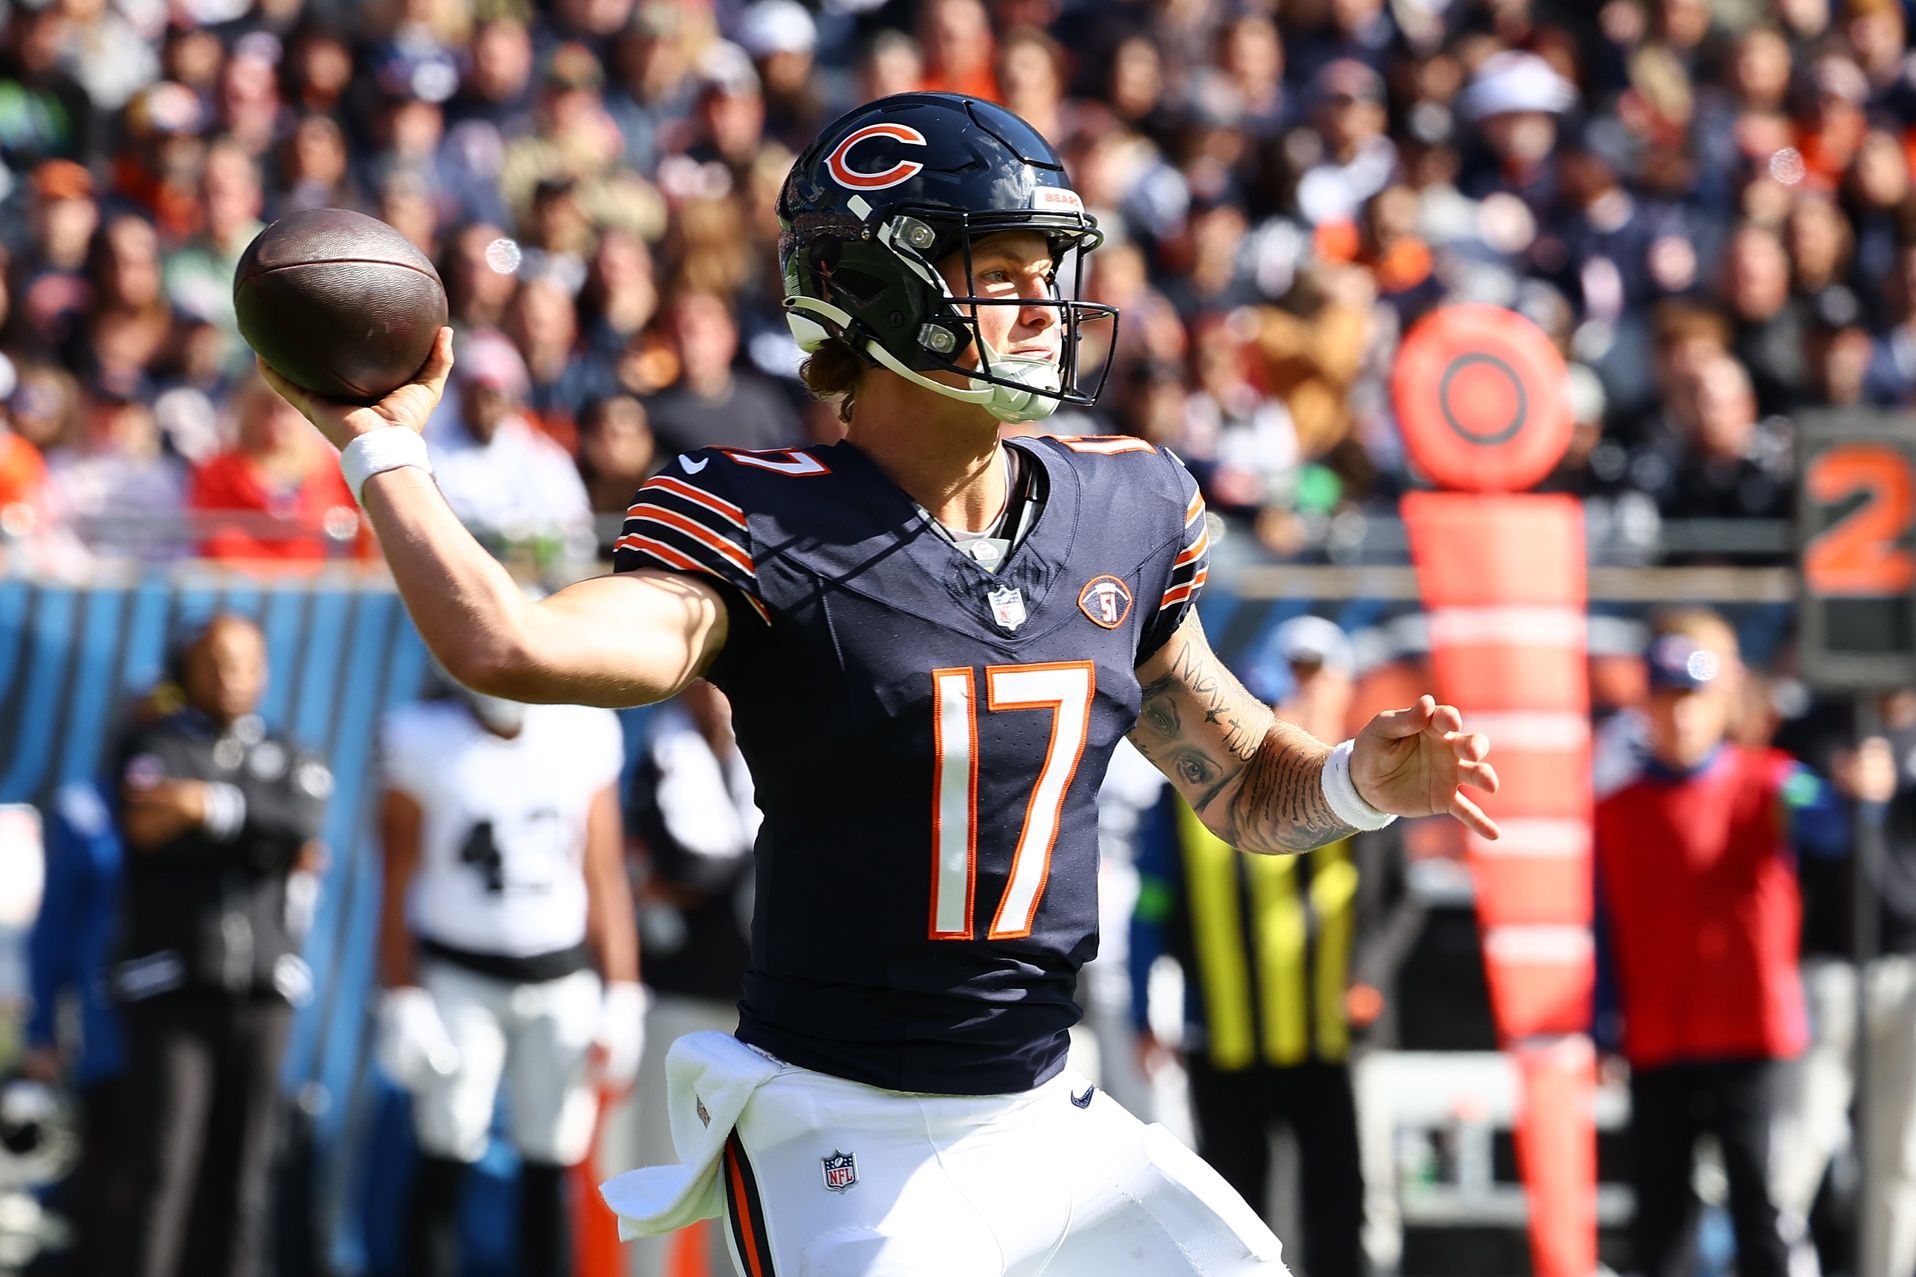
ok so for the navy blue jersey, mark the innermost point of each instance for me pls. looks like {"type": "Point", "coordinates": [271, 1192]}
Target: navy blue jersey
{"type": "Point", "coordinates": [927, 740]}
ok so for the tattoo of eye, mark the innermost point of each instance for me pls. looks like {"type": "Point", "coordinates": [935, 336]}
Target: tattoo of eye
{"type": "Point", "coordinates": [1193, 767]}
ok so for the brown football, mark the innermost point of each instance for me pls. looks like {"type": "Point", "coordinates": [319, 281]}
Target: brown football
{"type": "Point", "coordinates": [339, 303]}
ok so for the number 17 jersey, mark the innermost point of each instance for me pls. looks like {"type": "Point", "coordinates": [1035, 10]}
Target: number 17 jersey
{"type": "Point", "coordinates": [927, 739]}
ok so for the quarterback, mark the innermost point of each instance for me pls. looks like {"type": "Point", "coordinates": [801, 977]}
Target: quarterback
{"type": "Point", "coordinates": [932, 640]}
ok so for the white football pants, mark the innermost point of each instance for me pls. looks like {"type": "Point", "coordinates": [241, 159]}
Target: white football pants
{"type": "Point", "coordinates": [965, 1186]}
{"type": "Point", "coordinates": [537, 1037]}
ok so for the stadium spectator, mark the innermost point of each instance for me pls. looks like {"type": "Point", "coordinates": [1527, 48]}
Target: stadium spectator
{"type": "Point", "coordinates": [620, 295]}
{"type": "Point", "coordinates": [781, 37]}
{"type": "Point", "coordinates": [199, 276]}
{"type": "Point", "coordinates": [1347, 106]}
{"type": "Point", "coordinates": [68, 954]}
{"type": "Point", "coordinates": [1726, 463]}
{"type": "Point", "coordinates": [50, 274]}
{"type": "Point", "coordinates": [44, 408]}
{"type": "Point", "coordinates": [1700, 912]}
{"type": "Point", "coordinates": [218, 816]}
{"type": "Point", "coordinates": [1768, 320]}
{"type": "Point", "coordinates": [713, 402]}
{"type": "Point", "coordinates": [118, 491]}
{"type": "Point", "coordinates": [282, 500]}
{"type": "Point", "coordinates": [693, 818]}
{"type": "Point", "coordinates": [959, 49]}
{"type": "Point", "coordinates": [52, 116]}
{"type": "Point", "coordinates": [616, 451]}
{"type": "Point", "coordinates": [126, 327]}
{"type": "Point", "coordinates": [23, 470]}
{"type": "Point", "coordinates": [318, 68]}
{"type": "Point", "coordinates": [478, 265]}
{"type": "Point", "coordinates": [652, 83]}
{"type": "Point", "coordinates": [315, 168]}
{"type": "Point", "coordinates": [543, 323]}
{"type": "Point", "coordinates": [502, 476]}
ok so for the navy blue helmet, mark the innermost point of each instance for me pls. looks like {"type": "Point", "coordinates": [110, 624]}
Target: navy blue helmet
{"type": "Point", "coordinates": [892, 188]}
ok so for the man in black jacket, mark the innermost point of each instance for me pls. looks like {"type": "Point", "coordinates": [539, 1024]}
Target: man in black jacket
{"type": "Point", "coordinates": [218, 816]}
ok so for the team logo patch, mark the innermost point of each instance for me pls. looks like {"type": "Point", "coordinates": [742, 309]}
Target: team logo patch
{"type": "Point", "coordinates": [1106, 600]}
{"type": "Point", "coordinates": [1007, 607]}
{"type": "Point", "coordinates": [841, 1170]}
{"type": "Point", "coordinates": [838, 163]}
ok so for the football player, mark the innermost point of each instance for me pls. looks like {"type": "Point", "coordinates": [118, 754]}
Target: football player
{"type": "Point", "coordinates": [932, 640]}
{"type": "Point", "coordinates": [504, 883]}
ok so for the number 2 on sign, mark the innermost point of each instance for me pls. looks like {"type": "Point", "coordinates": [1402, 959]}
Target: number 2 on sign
{"type": "Point", "coordinates": [1861, 553]}
{"type": "Point", "coordinates": [1066, 689]}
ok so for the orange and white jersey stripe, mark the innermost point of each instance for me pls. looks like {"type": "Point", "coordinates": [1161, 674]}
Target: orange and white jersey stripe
{"type": "Point", "coordinates": [1192, 565]}
{"type": "Point", "coordinates": [678, 523]}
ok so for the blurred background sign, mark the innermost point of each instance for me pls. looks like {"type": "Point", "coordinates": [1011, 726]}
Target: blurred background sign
{"type": "Point", "coordinates": [1856, 523]}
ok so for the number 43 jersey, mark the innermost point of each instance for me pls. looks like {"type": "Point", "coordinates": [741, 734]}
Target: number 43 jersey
{"type": "Point", "coordinates": [927, 739]}
{"type": "Point", "coordinates": [502, 823]}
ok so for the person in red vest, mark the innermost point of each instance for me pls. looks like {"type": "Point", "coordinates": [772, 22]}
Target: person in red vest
{"type": "Point", "coordinates": [270, 496]}
{"type": "Point", "coordinates": [1699, 913]}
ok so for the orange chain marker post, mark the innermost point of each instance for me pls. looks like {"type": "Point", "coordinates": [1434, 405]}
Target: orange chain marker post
{"type": "Point", "coordinates": [1483, 399]}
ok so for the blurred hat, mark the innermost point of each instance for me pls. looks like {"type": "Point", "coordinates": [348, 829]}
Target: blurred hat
{"type": "Point", "coordinates": [1679, 663]}
{"type": "Point", "coordinates": [1834, 309]}
{"type": "Point", "coordinates": [165, 108]}
{"type": "Point", "coordinates": [726, 68]}
{"type": "Point", "coordinates": [112, 386]}
{"type": "Point", "coordinates": [1838, 77]}
{"type": "Point", "coordinates": [1346, 78]}
{"type": "Point", "coordinates": [488, 359]}
{"type": "Point", "coordinates": [574, 66]}
{"type": "Point", "coordinates": [1516, 81]}
{"type": "Point", "coordinates": [1312, 640]}
{"type": "Point", "coordinates": [655, 18]}
{"type": "Point", "coordinates": [62, 180]}
{"type": "Point", "coordinates": [777, 26]}
{"type": "Point", "coordinates": [1302, 640]}
{"type": "Point", "coordinates": [416, 71]}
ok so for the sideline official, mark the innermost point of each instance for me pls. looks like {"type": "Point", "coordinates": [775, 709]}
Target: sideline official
{"type": "Point", "coordinates": [218, 817]}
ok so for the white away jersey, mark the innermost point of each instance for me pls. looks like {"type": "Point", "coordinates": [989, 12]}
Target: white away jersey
{"type": "Point", "coordinates": [503, 829]}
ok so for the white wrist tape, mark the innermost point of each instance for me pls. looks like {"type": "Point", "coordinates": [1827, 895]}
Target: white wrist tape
{"type": "Point", "coordinates": [388, 448]}
{"type": "Point", "coordinates": [1340, 791]}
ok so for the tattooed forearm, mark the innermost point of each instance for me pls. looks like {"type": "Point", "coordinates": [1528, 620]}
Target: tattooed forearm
{"type": "Point", "coordinates": [1281, 807]}
{"type": "Point", "coordinates": [1255, 782]}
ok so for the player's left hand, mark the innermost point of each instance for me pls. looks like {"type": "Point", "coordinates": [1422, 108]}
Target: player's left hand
{"type": "Point", "coordinates": [1415, 762]}
{"type": "Point", "coordinates": [620, 1041]}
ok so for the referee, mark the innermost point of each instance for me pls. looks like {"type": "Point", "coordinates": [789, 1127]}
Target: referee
{"type": "Point", "coordinates": [1266, 945]}
{"type": "Point", "coordinates": [218, 816]}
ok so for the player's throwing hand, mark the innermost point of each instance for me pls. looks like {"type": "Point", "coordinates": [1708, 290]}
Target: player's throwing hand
{"type": "Point", "coordinates": [1415, 762]}
{"type": "Point", "coordinates": [408, 406]}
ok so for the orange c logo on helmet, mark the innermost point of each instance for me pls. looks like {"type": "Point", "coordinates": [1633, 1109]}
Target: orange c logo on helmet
{"type": "Point", "coordinates": [860, 180]}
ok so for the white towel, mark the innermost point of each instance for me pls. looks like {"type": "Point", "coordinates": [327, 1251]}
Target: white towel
{"type": "Point", "coordinates": [708, 1076]}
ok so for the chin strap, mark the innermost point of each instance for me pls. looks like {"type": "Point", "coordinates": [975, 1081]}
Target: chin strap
{"type": "Point", "coordinates": [1013, 404]}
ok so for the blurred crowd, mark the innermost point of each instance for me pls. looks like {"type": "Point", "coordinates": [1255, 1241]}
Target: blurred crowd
{"type": "Point", "coordinates": [1706, 203]}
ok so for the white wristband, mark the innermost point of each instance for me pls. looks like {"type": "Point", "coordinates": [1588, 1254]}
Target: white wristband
{"type": "Point", "coordinates": [1340, 791]}
{"type": "Point", "coordinates": [388, 448]}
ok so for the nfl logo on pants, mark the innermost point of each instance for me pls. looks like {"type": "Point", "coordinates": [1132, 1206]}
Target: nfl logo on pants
{"type": "Point", "coordinates": [841, 1170]}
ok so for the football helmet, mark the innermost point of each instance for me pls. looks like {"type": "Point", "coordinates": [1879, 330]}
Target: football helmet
{"type": "Point", "coordinates": [888, 191]}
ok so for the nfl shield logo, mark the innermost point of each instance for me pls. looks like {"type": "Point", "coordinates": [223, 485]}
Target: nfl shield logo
{"type": "Point", "coordinates": [841, 1170]}
{"type": "Point", "coordinates": [1007, 607]}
